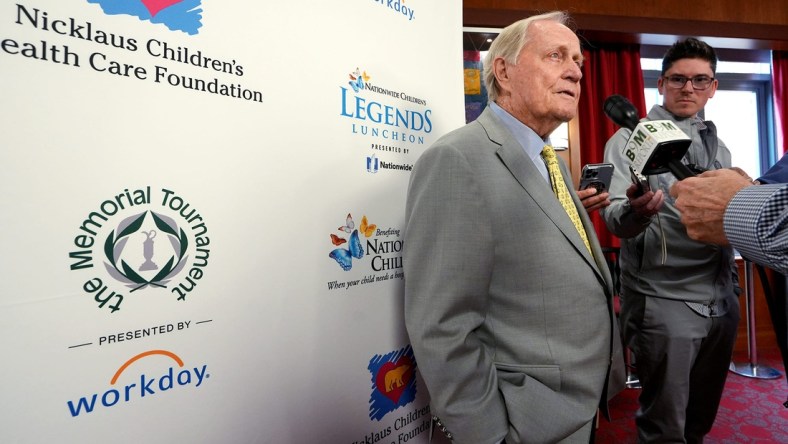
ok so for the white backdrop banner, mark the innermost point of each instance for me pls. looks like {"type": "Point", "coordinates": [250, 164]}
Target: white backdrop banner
{"type": "Point", "coordinates": [202, 216]}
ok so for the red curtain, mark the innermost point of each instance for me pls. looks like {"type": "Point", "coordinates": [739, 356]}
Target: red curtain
{"type": "Point", "coordinates": [606, 71]}
{"type": "Point", "coordinates": [779, 80]}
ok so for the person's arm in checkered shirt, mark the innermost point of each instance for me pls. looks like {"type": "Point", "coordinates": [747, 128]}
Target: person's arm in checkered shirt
{"type": "Point", "coordinates": [756, 224]}
{"type": "Point", "coordinates": [724, 207]}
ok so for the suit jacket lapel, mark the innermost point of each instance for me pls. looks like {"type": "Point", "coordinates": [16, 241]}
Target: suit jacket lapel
{"type": "Point", "coordinates": [522, 168]}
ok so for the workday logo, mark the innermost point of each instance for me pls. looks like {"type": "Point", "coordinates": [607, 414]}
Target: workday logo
{"type": "Point", "coordinates": [141, 385]}
{"type": "Point", "coordinates": [398, 7]}
{"type": "Point", "coordinates": [145, 241]}
{"type": "Point", "coordinates": [177, 15]}
{"type": "Point", "coordinates": [393, 382]}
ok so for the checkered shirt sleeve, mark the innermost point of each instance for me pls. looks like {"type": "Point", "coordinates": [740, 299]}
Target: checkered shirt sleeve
{"type": "Point", "coordinates": [756, 224]}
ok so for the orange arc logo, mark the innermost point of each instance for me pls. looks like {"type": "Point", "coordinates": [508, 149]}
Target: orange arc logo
{"type": "Point", "coordinates": [142, 355]}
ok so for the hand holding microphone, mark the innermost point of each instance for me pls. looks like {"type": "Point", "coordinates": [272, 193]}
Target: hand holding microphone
{"type": "Point", "coordinates": [645, 153]}
{"type": "Point", "coordinates": [655, 146]}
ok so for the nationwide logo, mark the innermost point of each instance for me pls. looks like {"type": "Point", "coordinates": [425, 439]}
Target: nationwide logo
{"type": "Point", "coordinates": [398, 6]}
{"type": "Point", "coordinates": [393, 382]}
{"type": "Point", "coordinates": [177, 15]}
{"type": "Point", "coordinates": [405, 122]}
{"type": "Point", "coordinates": [142, 385]}
{"type": "Point", "coordinates": [374, 165]}
{"type": "Point", "coordinates": [145, 242]}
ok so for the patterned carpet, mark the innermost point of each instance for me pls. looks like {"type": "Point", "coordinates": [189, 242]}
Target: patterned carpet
{"type": "Point", "coordinates": [751, 411]}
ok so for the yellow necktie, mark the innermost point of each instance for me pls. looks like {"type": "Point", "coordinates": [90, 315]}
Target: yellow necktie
{"type": "Point", "coordinates": [559, 188]}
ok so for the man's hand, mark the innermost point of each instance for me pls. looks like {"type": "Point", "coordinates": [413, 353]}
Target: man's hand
{"type": "Point", "coordinates": [647, 204]}
{"type": "Point", "coordinates": [702, 201]}
{"type": "Point", "coordinates": [593, 201]}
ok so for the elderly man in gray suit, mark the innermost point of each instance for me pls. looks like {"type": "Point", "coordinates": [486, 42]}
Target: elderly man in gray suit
{"type": "Point", "coordinates": [508, 298]}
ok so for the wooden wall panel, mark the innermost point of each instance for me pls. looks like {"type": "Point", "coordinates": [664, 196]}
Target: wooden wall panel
{"type": "Point", "coordinates": [764, 331]}
{"type": "Point", "coordinates": [724, 23]}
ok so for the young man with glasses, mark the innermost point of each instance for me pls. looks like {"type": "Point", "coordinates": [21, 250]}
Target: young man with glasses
{"type": "Point", "coordinates": [680, 309]}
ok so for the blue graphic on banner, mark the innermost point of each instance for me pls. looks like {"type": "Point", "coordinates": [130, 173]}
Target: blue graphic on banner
{"type": "Point", "coordinates": [393, 382]}
{"type": "Point", "coordinates": [373, 164]}
{"type": "Point", "coordinates": [177, 15]}
{"type": "Point", "coordinates": [344, 256]}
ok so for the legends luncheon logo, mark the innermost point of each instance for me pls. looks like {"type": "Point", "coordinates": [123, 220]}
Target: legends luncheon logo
{"type": "Point", "coordinates": [366, 104]}
{"type": "Point", "coordinates": [147, 241]}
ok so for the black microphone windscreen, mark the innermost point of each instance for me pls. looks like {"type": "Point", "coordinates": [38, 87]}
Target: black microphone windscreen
{"type": "Point", "coordinates": [621, 111]}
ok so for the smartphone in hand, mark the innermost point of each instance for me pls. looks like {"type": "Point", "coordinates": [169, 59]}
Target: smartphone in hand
{"type": "Point", "coordinates": [597, 176]}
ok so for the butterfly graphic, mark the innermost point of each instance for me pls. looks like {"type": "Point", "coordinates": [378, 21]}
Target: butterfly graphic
{"type": "Point", "coordinates": [349, 225]}
{"type": "Point", "coordinates": [344, 256]}
{"type": "Point", "coordinates": [336, 240]}
{"type": "Point", "coordinates": [367, 229]}
{"type": "Point", "coordinates": [357, 80]}
{"type": "Point", "coordinates": [356, 84]}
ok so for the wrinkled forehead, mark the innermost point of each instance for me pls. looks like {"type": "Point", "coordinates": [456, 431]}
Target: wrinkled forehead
{"type": "Point", "coordinates": [548, 35]}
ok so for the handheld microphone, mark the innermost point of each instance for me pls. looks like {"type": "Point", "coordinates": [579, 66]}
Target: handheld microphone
{"type": "Point", "coordinates": [655, 146]}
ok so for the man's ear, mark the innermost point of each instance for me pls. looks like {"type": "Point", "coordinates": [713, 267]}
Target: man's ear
{"type": "Point", "coordinates": [501, 71]}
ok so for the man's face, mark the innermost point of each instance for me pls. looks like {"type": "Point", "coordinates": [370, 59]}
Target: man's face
{"type": "Point", "coordinates": [543, 88]}
{"type": "Point", "coordinates": [686, 101]}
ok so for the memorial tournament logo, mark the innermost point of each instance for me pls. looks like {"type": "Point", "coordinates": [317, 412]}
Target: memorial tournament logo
{"type": "Point", "coordinates": [177, 15]}
{"type": "Point", "coordinates": [116, 242]}
{"type": "Point", "coordinates": [145, 242]}
{"type": "Point", "coordinates": [141, 385]}
{"type": "Point", "coordinates": [393, 382]}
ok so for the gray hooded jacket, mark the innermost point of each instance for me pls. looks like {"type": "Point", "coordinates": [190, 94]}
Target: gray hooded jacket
{"type": "Point", "coordinates": [657, 257]}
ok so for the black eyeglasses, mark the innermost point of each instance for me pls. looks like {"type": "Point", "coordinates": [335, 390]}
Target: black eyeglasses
{"type": "Point", "coordinates": [698, 82]}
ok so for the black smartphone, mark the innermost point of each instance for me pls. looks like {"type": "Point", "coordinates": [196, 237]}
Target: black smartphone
{"type": "Point", "coordinates": [639, 180]}
{"type": "Point", "coordinates": [597, 176]}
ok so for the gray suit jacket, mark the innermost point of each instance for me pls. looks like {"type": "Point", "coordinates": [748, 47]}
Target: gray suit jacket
{"type": "Point", "coordinates": [509, 316]}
